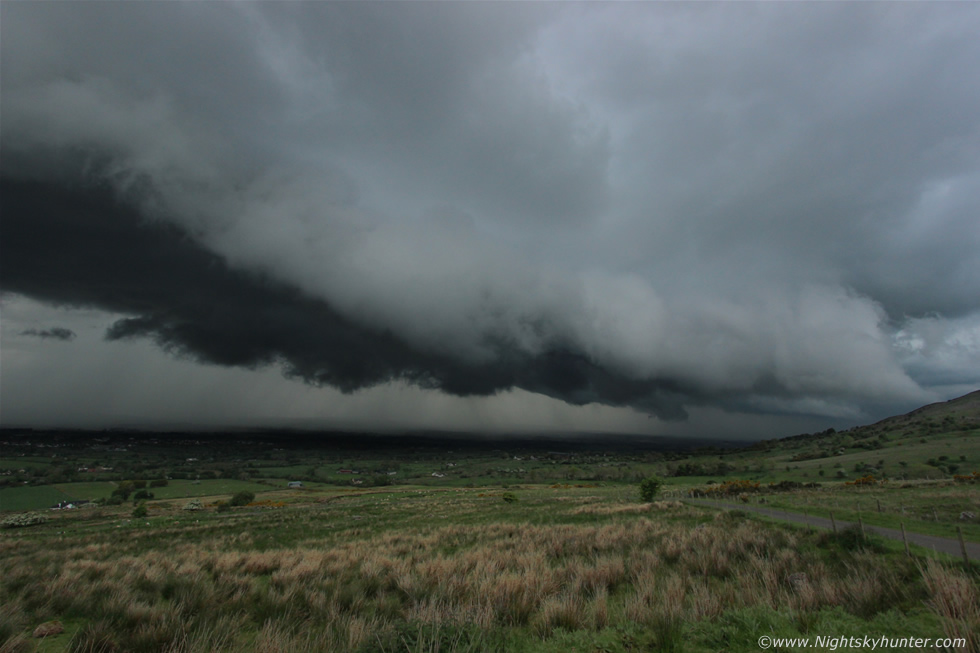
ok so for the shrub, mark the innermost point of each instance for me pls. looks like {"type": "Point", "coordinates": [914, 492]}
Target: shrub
{"type": "Point", "coordinates": [852, 539]}
{"type": "Point", "coordinates": [243, 498]}
{"type": "Point", "coordinates": [140, 510]}
{"type": "Point", "coordinates": [864, 481]}
{"type": "Point", "coordinates": [23, 519]}
{"type": "Point", "coordinates": [734, 488]}
{"type": "Point", "coordinates": [650, 488]}
{"type": "Point", "coordinates": [509, 497]}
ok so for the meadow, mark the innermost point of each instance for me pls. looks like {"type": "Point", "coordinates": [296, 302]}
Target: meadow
{"type": "Point", "coordinates": [445, 545]}
{"type": "Point", "coordinates": [419, 569]}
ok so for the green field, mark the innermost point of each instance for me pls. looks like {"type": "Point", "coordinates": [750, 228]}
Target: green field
{"type": "Point", "coordinates": [203, 488]}
{"type": "Point", "coordinates": [88, 489]}
{"type": "Point", "coordinates": [32, 498]}
{"type": "Point", "coordinates": [504, 549]}
{"type": "Point", "coordinates": [424, 569]}
{"type": "Point", "coordinates": [44, 496]}
{"type": "Point", "coordinates": [24, 463]}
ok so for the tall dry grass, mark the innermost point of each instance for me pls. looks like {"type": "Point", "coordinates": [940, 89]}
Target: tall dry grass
{"type": "Point", "coordinates": [955, 598]}
{"type": "Point", "coordinates": [349, 595]}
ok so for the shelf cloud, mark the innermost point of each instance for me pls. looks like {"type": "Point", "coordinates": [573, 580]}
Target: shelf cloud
{"type": "Point", "coordinates": [762, 209]}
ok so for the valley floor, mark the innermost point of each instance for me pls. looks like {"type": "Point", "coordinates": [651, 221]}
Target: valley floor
{"type": "Point", "coordinates": [524, 568]}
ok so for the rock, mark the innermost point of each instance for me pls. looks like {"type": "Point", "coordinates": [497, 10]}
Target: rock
{"type": "Point", "coordinates": [49, 628]}
{"type": "Point", "coordinates": [966, 514]}
{"type": "Point", "coordinates": [798, 581]}
{"type": "Point", "coordinates": [194, 504]}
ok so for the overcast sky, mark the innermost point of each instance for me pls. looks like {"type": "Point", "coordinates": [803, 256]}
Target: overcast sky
{"type": "Point", "coordinates": [685, 218]}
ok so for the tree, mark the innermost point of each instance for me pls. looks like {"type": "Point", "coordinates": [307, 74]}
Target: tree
{"type": "Point", "coordinates": [142, 495]}
{"type": "Point", "coordinates": [140, 510]}
{"type": "Point", "coordinates": [243, 498]}
{"type": "Point", "coordinates": [649, 488]}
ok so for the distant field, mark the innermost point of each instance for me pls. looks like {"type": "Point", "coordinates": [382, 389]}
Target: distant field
{"type": "Point", "coordinates": [32, 498]}
{"type": "Point", "coordinates": [532, 568]}
{"type": "Point", "coordinates": [293, 470]}
{"type": "Point", "coordinates": [45, 496]}
{"type": "Point", "coordinates": [24, 463]}
{"type": "Point", "coordinates": [180, 489]}
{"type": "Point", "coordinates": [87, 489]}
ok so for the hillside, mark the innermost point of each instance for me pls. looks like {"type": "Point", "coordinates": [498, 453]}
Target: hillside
{"type": "Point", "coordinates": [962, 411]}
{"type": "Point", "coordinates": [935, 441]}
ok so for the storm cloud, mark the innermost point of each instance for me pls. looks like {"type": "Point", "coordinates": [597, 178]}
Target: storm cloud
{"type": "Point", "coordinates": [760, 208]}
{"type": "Point", "coordinates": [54, 333]}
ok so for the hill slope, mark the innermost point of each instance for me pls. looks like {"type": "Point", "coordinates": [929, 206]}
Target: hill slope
{"type": "Point", "coordinates": [934, 441]}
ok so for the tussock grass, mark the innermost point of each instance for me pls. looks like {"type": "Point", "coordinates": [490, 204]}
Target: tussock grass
{"type": "Point", "coordinates": [647, 572]}
{"type": "Point", "coordinates": [955, 598]}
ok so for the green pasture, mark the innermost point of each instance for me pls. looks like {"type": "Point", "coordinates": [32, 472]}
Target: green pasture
{"type": "Point", "coordinates": [441, 524]}
{"type": "Point", "coordinates": [32, 497]}
{"type": "Point", "coordinates": [24, 463]}
{"type": "Point", "coordinates": [39, 497]}
{"type": "Point", "coordinates": [178, 489]}
{"type": "Point", "coordinates": [90, 490]}
{"type": "Point", "coordinates": [929, 508]}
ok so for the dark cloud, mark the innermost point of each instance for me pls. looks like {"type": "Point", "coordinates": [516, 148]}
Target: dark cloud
{"type": "Point", "coordinates": [54, 333]}
{"type": "Point", "coordinates": [763, 208]}
{"type": "Point", "coordinates": [191, 303]}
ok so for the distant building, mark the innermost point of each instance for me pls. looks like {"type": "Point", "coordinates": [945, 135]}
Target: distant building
{"type": "Point", "coordinates": [295, 484]}
{"type": "Point", "coordinates": [69, 505]}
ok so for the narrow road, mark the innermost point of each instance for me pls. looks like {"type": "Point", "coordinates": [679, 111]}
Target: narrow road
{"type": "Point", "coordinates": [940, 544]}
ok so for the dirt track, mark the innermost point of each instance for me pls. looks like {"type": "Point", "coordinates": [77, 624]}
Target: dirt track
{"type": "Point", "coordinates": [940, 544]}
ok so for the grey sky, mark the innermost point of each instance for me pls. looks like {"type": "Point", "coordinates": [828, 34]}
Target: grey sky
{"type": "Point", "coordinates": [752, 216]}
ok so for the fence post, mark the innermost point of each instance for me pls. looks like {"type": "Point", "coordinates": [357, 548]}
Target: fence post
{"type": "Point", "coordinates": [966, 558]}
{"type": "Point", "coordinates": [833, 522]}
{"type": "Point", "coordinates": [905, 539]}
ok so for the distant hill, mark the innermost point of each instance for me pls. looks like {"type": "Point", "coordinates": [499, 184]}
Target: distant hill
{"type": "Point", "coordinates": [960, 414]}
{"type": "Point", "coordinates": [968, 405]}
{"type": "Point", "coordinates": [934, 441]}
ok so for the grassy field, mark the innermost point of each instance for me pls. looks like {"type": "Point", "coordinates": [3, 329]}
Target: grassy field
{"type": "Point", "coordinates": [934, 508]}
{"type": "Point", "coordinates": [508, 547]}
{"type": "Point", "coordinates": [204, 488]}
{"type": "Point", "coordinates": [421, 569]}
{"type": "Point", "coordinates": [45, 496]}
{"type": "Point", "coordinates": [32, 498]}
